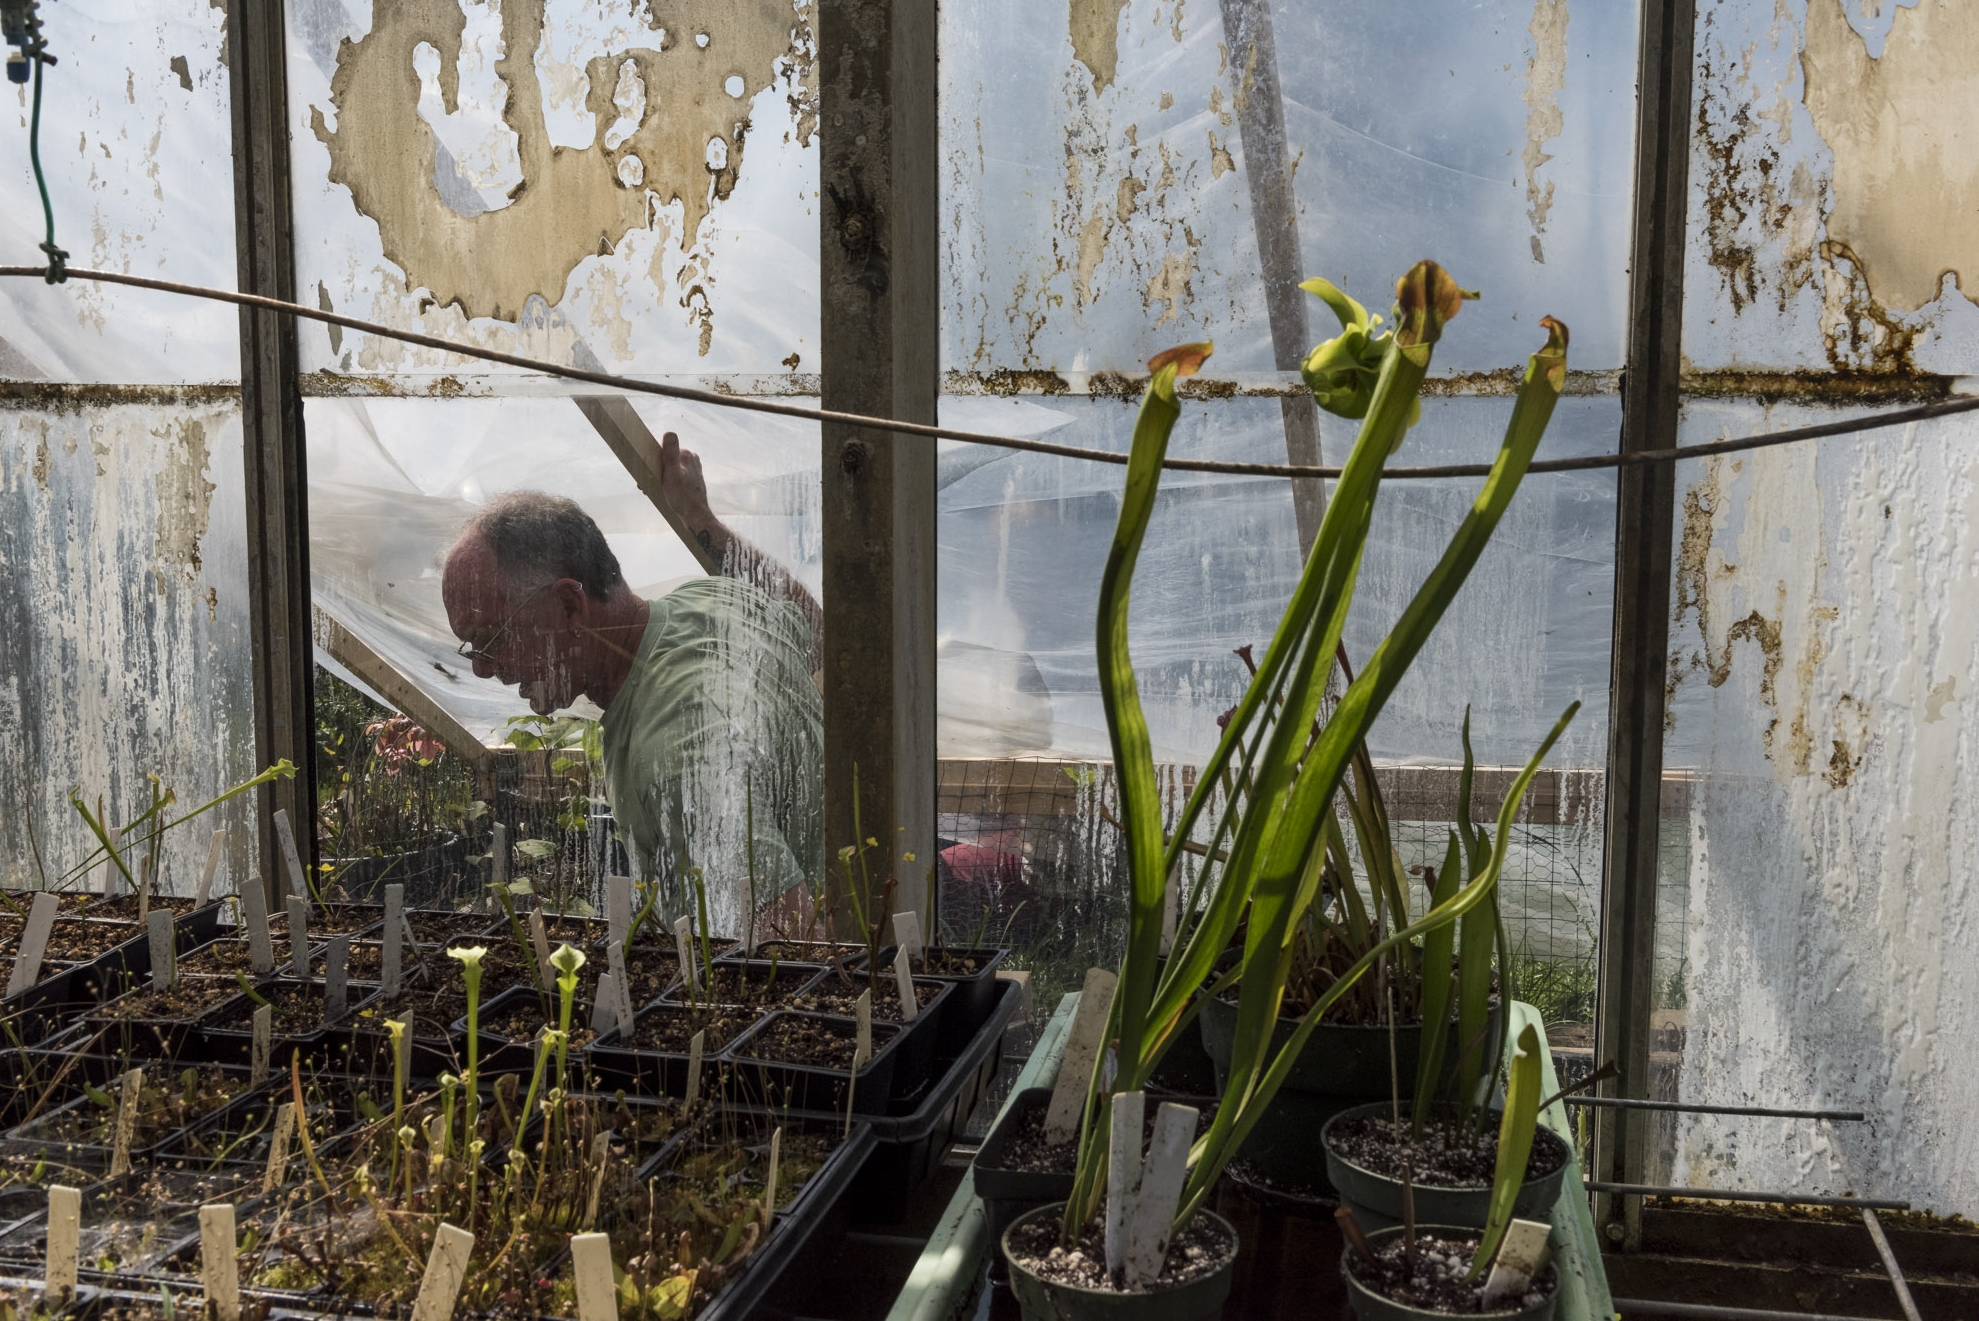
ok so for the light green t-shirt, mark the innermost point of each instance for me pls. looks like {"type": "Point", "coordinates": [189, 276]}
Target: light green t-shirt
{"type": "Point", "coordinates": [719, 710]}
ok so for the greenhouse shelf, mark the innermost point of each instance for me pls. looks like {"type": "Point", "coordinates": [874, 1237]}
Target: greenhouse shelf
{"type": "Point", "coordinates": [944, 1281]}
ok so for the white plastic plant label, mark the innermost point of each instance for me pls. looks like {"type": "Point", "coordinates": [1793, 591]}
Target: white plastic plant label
{"type": "Point", "coordinates": [298, 936]}
{"type": "Point", "coordinates": [336, 978]}
{"type": "Point", "coordinates": [64, 1227]}
{"type": "Point", "coordinates": [254, 912]}
{"type": "Point", "coordinates": [604, 1009]}
{"type": "Point", "coordinates": [1155, 1201]}
{"type": "Point", "coordinates": [498, 856]}
{"type": "Point", "coordinates": [591, 1268]}
{"type": "Point", "coordinates": [907, 935]}
{"type": "Point", "coordinates": [1123, 1173]}
{"type": "Point", "coordinates": [1082, 1046]}
{"type": "Point", "coordinates": [769, 1180]}
{"type": "Point", "coordinates": [539, 942]}
{"type": "Point", "coordinates": [391, 958]}
{"type": "Point", "coordinates": [164, 950]}
{"type": "Point", "coordinates": [683, 942]}
{"type": "Point", "coordinates": [278, 1147]}
{"type": "Point", "coordinates": [695, 1047]}
{"type": "Point", "coordinates": [618, 909]}
{"type": "Point", "coordinates": [291, 860]}
{"type": "Point", "coordinates": [219, 1269]}
{"type": "Point", "coordinates": [601, 1153]}
{"type": "Point", "coordinates": [264, 1025]}
{"type": "Point", "coordinates": [127, 1101]}
{"type": "Point", "coordinates": [1521, 1255]}
{"type": "Point", "coordinates": [34, 942]}
{"type": "Point", "coordinates": [215, 849]}
{"type": "Point", "coordinates": [862, 1016]}
{"type": "Point", "coordinates": [903, 976]}
{"type": "Point", "coordinates": [446, 1267]}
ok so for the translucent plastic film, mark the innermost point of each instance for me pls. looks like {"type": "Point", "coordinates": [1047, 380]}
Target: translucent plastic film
{"type": "Point", "coordinates": [124, 646]}
{"type": "Point", "coordinates": [138, 149]}
{"type": "Point", "coordinates": [626, 185]}
{"type": "Point", "coordinates": [1824, 739]}
{"type": "Point", "coordinates": [1099, 163]}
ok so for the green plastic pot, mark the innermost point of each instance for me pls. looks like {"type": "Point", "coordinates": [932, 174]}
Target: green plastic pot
{"type": "Point", "coordinates": [1371, 1306]}
{"type": "Point", "coordinates": [1376, 1199]}
{"type": "Point", "coordinates": [1043, 1300]}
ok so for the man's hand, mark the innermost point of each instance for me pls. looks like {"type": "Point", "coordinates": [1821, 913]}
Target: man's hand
{"type": "Point", "coordinates": [683, 485]}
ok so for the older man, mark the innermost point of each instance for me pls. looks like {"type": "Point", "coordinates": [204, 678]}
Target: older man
{"type": "Point", "coordinates": [711, 716]}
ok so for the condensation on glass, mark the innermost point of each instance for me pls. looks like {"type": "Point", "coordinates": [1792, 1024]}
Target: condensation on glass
{"type": "Point", "coordinates": [1821, 727]}
{"type": "Point", "coordinates": [124, 644]}
{"type": "Point", "coordinates": [136, 143]}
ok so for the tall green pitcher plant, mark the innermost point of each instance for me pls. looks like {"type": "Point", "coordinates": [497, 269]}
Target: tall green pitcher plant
{"type": "Point", "coordinates": [1271, 838]}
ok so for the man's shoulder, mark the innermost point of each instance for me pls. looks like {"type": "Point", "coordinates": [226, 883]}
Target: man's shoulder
{"type": "Point", "coordinates": [719, 608]}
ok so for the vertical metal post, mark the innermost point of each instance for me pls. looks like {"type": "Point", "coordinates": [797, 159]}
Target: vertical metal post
{"type": "Point", "coordinates": [1645, 509]}
{"type": "Point", "coordinates": [879, 263]}
{"type": "Point", "coordinates": [271, 409]}
{"type": "Point", "coordinates": [1260, 108]}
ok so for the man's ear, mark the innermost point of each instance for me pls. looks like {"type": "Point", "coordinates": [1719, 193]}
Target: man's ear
{"type": "Point", "coordinates": [572, 602]}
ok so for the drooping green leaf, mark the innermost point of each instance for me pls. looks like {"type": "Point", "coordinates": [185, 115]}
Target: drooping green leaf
{"type": "Point", "coordinates": [1438, 948]}
{"type": "Point", "coordinates": [1515, 1132]}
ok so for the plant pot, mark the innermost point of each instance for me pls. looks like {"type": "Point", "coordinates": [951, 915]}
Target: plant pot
{"type": "Point", "coordinates": [777, 1083]}
{"type": "Point", "coordinates": [1339, 1067]}
{"type": "Point", "coordinates": [1288, 1270]}
{"type": "Point", "coordinates": [1008, 1193]}
{"type": "Point", "coordinates": [617, 1058]}
{"type": "Point", "coordinates": [1377, 1198]}
{"type": "Point", "coordinates": [1044, 1300]}
{"type": "Point", "coordinates": [792, 980]}
{"type": "Point", "coordinates": [154, 1036]}
{"type": "Point", "coordinates": [1371, 1306]}
{"type": "Point", "coordinates": [974, 997]}
{"type": "Point", "coordinates": [914, 1065]}
{"type": "Point", "coordinates": [427, 871]}
{"type": "Point", "coordinates": [226, 1033]}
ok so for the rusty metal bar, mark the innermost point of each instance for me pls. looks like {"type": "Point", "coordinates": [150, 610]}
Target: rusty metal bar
{"type": "Point", "coordinates": [1733, 1195]}
{"type": "Point", "coordinates": [879, 263]}
{"type": "Point", "coordinates": [1645, 507]}
{"type": "Point", "coordinates": [1748, 1111]}
{"type": "Point", "coordinates": [271, 414]}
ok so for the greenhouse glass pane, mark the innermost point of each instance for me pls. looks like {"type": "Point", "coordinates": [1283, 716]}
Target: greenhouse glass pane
{"type": "Point", "coordinates": [124, 642]}
{"type": "Point", "coordinates": [565, 181]}
{"type": "Point", "coordinates": [1821, 738]}
{"type": "Point", "coordinates": [137, 143]}
{"type": "Point", "coordinates": [1831, 180]}
{"type": "Point", "coordinates": [1096, 206]}
{"type": "Point", "coordinates": [1023, 539]}
{"type": "Point", "coordinates": [392, 480]}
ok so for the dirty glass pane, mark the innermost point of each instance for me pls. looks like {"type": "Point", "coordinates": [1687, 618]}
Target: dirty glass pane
{"type": "Point", "coordinates": [1830, 221]}
{"type": "Point", "coordinates": [124, 647]}
{"type": "Point", "coordinates": [137, 145]}
{"type": "Point", "coordinates": [1022, 736]}
{"type": "Point", "coordinates": [559, 180]}
{"type": "Point", "coordinates": [392, 480]}
{"type": "Point", "coordinates": [1819, 746]}
{"type": "Point", "coordinates": [1096, 183]}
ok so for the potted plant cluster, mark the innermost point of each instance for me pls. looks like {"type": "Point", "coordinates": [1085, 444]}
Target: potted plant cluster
{"type": "Point", "coordinates": [1133, 1234]}
{"type": "Point", "coordinates": [374, 1088]}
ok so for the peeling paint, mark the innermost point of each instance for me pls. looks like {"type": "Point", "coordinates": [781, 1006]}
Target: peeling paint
{"type": "Point", "coordinates": [1906, 172]}
{"type": "Point", "coordinates": [1170, 285]}
{"type": "Point", "coordinates": [1545, 79]}
{"type": "Point", "coordinates": [184, 502]}
{"type": "Point", "coordinates": [570, 203]}
{"type": "Point", "coordinates": [1092, 247]}
{"type": "Point", "coordinates": [1220, 163]}
{"type": "Point", "coordinates": [1095, 27]}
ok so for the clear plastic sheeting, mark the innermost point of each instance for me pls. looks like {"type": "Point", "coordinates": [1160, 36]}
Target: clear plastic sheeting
{"type": "Point", "coordinates": [1831, 180]}
{"type": "Point", "coordinates": [124, 644]}
{"type": "Point", "coordinates": [137, 145]}
{"type": "Point", "coordinates": [391, 481]}
{"type": "Point", "coordinates": [1821, 660]}
{"type": "Point", "coordinates": [563, 180]}
{"type": "Point", "coordinates": [1024, 538]}
{"type": "Point", "coordinates": [1095, 201]}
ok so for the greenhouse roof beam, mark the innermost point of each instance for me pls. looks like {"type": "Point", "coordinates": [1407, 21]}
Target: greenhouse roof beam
{"type": "Point", "coordinates": [406, 696]}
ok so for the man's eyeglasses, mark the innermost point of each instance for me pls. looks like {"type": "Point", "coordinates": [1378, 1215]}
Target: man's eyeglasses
{"type": "Point", "coordinates": [475, 655]}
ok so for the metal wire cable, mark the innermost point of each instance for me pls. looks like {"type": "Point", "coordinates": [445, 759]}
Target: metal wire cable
{"type": "Point", "coordinates": [1893, 418]}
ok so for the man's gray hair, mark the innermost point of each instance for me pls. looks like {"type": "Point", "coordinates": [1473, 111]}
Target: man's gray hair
{"type": "Point", "coordinates": [537, 537]}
